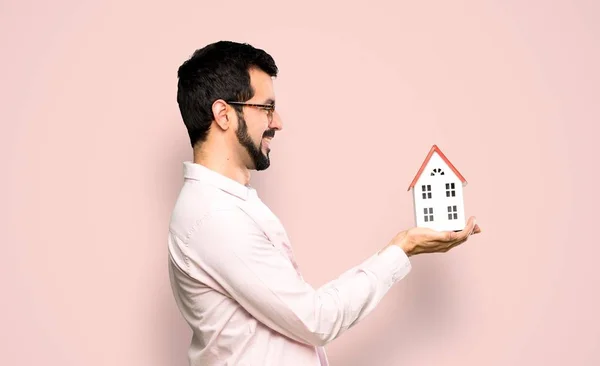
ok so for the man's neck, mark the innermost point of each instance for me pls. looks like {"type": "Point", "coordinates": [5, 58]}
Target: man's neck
{"type": "Point", "coordinates": [224, 164]}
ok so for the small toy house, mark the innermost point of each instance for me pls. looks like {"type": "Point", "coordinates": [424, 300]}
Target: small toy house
{"type": "Point", "coordinates": [438, 194]}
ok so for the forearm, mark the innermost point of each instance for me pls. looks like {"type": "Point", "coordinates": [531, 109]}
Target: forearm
{"type": "Point", "coordinates": [344, 302]}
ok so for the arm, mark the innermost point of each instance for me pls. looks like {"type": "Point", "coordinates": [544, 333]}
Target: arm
{"type": "Point", "coordinates": [263, 281]}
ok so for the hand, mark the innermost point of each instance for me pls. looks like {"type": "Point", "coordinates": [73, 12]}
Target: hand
{"type": "Point", "coordinates": [420, 240]}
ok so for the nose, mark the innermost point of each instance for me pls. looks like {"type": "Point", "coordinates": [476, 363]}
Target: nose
{"type": "Point", "coordinates": [276, 123]}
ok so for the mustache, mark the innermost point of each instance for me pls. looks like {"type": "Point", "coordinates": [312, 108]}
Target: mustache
{"type": "Point", "coordinates": [269, 133]}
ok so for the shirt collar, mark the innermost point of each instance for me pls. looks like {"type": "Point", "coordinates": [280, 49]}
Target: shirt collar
{"type": "Point", "coordinates": [200, 172]}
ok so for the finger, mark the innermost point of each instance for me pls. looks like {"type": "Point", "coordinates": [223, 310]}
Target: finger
{"type": "Point", "coordinates": [468, 230]}
{"type": "Point", "coordinates": [453, 236]}
{"type": "Point", "coordinates": [459, 238]}
{"type": "Point", "coordinates": [442, 236]}
{"type": "Point", "coordinates": [476, 230]}
{"type": "Point", "coordinates": [453, 244]}
{"type": "Point", "coordinates": [449, 237]}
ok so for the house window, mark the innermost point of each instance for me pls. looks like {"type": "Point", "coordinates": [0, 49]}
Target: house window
{"type": "Point", "coordinates": [428, 214]}
{"type": "Point", "coordinates": [437, 171]}
{"type": "Point", "coordinates": [426, 191]}
{"type": "Point", "coordinates": [450, 190]}
{"type": "Point", "coordinates": [452, 213]}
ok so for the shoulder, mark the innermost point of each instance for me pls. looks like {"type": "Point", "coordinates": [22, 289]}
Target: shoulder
{"type": "Point", "coordinates": [218, 231]}
{"type": "Point", "coordinates": [198, 204]}
{"type": "Point", "coordinates": [225, 222]}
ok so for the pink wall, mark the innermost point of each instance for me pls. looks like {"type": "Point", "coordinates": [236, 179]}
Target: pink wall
{"type": "Point", "coordinates": [91, 145]}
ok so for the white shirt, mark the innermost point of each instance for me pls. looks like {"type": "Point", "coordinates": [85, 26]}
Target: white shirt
{"type": "Point", "coordinates": [238, 287]}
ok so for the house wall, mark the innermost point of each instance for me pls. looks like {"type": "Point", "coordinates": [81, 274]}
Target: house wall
{"type": "Point", "coordinates": [438, 203]}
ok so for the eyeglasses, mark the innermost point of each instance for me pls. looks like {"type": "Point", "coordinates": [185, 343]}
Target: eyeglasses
{"type": "Point", "coordinates": [269, 108]}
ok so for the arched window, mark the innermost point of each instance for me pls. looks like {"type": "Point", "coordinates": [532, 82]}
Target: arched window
{"type": "Point", "coordinates": [437, 171]}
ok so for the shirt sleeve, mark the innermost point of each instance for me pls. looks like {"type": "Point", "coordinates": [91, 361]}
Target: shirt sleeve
{"type": "Point", "coordinates": [231, 247]}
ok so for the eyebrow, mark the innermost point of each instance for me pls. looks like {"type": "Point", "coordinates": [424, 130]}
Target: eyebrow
{"type": "Point", "coordinates": [269, 101]}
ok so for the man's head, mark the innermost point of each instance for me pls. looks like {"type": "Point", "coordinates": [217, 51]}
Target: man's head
{"type": "Point", "coordinates": [225, 94]}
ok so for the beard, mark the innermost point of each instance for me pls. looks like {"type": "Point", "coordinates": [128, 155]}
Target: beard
{"type": "Point", "coordinates": [261, 161]}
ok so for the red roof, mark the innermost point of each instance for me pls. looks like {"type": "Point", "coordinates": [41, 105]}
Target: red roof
{"type": "Point", "coordinates": [436, 149]}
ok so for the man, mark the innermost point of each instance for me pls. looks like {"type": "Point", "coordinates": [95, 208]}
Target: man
{"type": "Point", "coordinates": [231, 266]}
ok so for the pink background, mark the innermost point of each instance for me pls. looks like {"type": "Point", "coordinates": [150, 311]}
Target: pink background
{"type": "Point", "coordinates": [92, 144]}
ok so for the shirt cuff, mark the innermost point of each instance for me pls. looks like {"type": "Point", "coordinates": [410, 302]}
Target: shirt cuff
{"type": "Point", "coordinates": [389, 266]}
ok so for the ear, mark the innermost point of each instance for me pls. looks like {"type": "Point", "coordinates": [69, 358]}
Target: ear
{"type": "Point", "coordinates": [220, 111]}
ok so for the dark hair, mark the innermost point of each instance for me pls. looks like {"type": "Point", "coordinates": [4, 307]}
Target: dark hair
{"type": "Point", "coordinates": [218, 71]}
